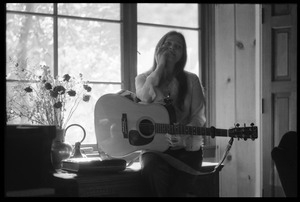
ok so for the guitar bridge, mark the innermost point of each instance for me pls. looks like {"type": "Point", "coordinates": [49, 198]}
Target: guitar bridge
{"type": "Point", "coordinates": [124, 126]}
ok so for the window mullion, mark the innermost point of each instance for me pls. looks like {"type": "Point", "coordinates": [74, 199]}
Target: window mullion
{"type": "Point", "coordinates": [55, 40]}
{"type": "Point", "coordinates": [129, 45]}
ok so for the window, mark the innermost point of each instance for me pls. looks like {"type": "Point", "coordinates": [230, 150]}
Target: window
{"type": "Point", "coordinates": [70, 39]}
{"type": "Point", "coordinates": [89, 38]}
{"type": "Point", "coordinates": [158, 19]}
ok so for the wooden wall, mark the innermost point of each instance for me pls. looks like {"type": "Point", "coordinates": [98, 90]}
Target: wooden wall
{"type": "Point", "coordinates": [235, 94]}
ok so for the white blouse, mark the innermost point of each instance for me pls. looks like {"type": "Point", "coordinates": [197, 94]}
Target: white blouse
{"type": "Point", "coordinates": [193, 113]}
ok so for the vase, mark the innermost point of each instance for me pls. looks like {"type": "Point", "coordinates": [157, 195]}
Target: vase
{"type": "Point", "coordinates": [60, 149]}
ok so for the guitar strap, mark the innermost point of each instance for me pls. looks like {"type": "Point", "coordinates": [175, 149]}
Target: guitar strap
{"type": "Point", "coordinates": [171, 110]}
{"type": "Point", "coordinates": [183, 165]}
{"type": "Point", "coordinates": [176, 163]}
{"type": "Point", "coordinates": [191, 158]}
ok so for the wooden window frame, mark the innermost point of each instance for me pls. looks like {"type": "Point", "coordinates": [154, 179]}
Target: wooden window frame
{"type": "Point", "coordinates": [129, 24]}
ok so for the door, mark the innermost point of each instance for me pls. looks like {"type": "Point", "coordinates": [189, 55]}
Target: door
{"type": "Point", "coordinates": [279, 85]}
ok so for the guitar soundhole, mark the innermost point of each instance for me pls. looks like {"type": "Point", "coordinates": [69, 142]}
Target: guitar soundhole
{"type": "Point", "coordinates": [146, 127]}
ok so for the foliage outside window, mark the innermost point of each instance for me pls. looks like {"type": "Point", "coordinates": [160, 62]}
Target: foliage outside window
{"type": "Point", "coordinates": [77, 39]}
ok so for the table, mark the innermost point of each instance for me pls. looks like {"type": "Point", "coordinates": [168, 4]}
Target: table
{"type": "Point", "coordinates": [126, 183]}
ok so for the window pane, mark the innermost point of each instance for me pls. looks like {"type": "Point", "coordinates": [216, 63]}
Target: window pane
{"type": "Point", "coordinates": [169, 14]}
{"type": "Point", "coordinates": [31, 7]}
{"type": "Point", "coordinates": [91, 48]}
{"type": "Point", "coordinates": [29, 37]}
{"type": "Point", "coordinates": [93, 10]}
{"type": "Point", "coordinates": [147, 43]}
{"type": "Point", "coordinates": [84, 114]}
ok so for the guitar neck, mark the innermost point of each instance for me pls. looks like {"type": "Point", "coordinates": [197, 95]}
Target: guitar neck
{"type": "Point", "coordinates": [190, 130]}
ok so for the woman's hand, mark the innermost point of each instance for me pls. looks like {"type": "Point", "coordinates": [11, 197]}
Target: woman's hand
{"type": "Point", "coordinates": [175, 141]}
{"type": "Point", "coordinates": [189, 142]}
{"type": "Point", "coordinates": [161, 56]}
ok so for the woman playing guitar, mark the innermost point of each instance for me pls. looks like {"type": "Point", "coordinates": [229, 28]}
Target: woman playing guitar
{"type": "Point", "coordinates": [165, 171]}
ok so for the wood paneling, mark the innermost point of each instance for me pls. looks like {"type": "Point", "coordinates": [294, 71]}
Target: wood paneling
{"type": "Point", "coordinates": [235, 48]}
{"type": "Point", "coordinates": [225, 92]}
{"type": "Point", "coordinates": [280, 60]}
{"type": "Point", "coordinates": [281, 105]}
{"type": "Point", "coordinates": [245, 96]}
{"type": "Point", "coordinates": [280, 9]}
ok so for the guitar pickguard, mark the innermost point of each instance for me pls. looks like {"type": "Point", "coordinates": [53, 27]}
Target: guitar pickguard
{"type": "Point", "coordinates": [136, 139]}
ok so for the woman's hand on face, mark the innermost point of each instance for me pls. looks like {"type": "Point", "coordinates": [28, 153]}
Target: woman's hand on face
{"type": "Point", "coordinates": [161, 56]}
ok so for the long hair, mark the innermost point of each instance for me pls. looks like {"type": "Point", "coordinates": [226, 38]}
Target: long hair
{"type": "Point", "coordinates": [179, 67]}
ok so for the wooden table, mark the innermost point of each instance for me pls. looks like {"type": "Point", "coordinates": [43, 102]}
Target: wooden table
{"type": "Point", "coordinates": [123, 184]}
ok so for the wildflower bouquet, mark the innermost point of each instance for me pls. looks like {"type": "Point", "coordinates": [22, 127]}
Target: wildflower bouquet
{"type": "Point", "coordinates": [43, 99]}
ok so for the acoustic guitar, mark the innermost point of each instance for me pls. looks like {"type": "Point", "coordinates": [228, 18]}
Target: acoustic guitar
{"type": "Point", "coordinates": [123, 126]}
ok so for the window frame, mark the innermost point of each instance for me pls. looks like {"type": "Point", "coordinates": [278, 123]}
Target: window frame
{"type": "Point", "coordinates": [128, 23]}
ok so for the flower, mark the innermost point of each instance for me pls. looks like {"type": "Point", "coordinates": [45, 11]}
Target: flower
{"type": "Point", "coordinates": [43, 99]}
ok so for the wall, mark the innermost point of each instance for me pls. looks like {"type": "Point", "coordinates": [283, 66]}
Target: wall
{"type": "Point", "coordinates": [235, 94]}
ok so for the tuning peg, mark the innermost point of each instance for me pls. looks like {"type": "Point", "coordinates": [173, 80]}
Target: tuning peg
{"type": "Point", "coordinates": [244, 124]}
{"type": "Point", "coordinates": [252, 124]}
{"type": "Point", "coordinates": [237, 125]}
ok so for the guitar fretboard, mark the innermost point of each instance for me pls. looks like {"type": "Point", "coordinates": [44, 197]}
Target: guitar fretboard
{"type": "Point", "coordinates": [190, 130]}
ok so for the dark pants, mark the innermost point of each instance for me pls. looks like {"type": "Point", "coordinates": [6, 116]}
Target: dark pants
{"type": "Point", "coordinates": [163, 180]}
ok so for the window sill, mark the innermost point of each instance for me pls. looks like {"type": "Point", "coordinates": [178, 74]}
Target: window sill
{"type": "Point", "coordinates": [209, 152]}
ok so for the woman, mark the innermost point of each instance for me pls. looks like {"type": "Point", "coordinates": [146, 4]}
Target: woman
{"type": "Point", "coordinates": [170, 173]}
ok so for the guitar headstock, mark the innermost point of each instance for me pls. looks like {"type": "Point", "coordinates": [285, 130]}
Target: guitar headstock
{"type": "Point", "coordinates": [245, 132]}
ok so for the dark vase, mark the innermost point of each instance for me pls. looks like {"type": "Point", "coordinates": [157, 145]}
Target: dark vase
{"type": "Point", "coordinates": [60, 149]}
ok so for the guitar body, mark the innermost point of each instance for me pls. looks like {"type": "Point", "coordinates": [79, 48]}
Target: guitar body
{"type": "Point", "coordinates": [120, 125]}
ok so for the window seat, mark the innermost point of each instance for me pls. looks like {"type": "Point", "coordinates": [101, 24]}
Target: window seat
{"type": "Point", "coordinates": [127, 183]}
